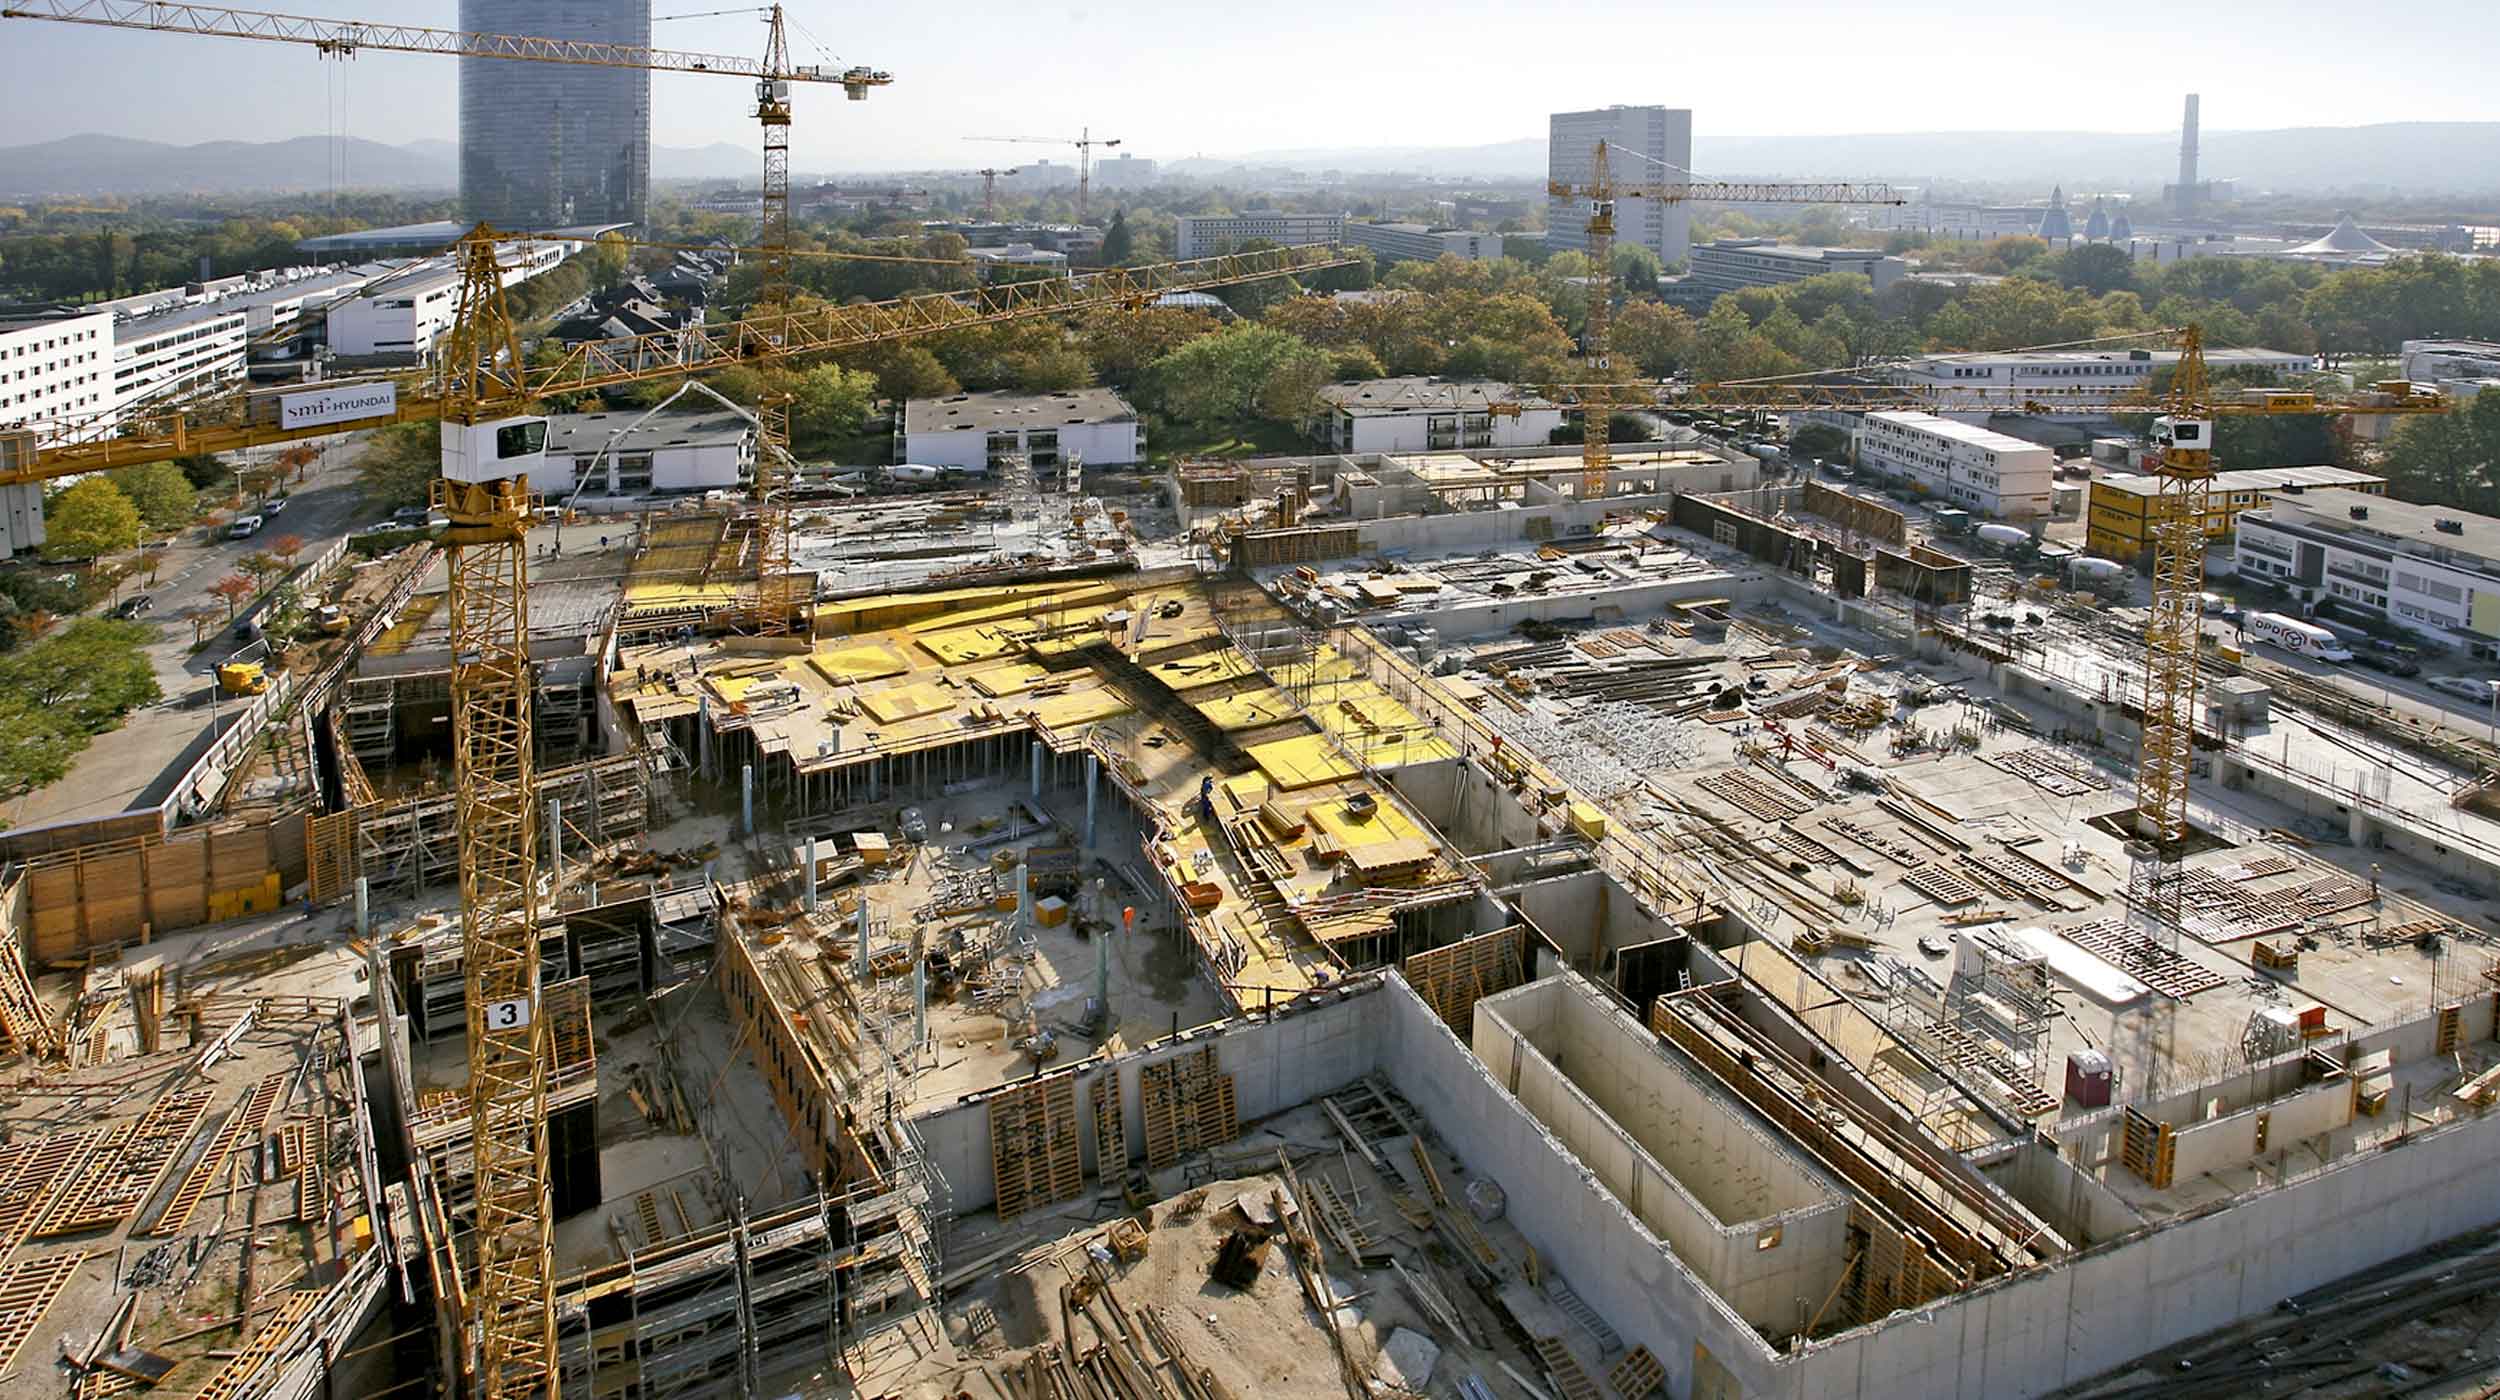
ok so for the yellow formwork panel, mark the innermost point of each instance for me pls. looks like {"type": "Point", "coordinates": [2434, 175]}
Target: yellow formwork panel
{"type": "Point", "coordinates": [1078, 707]}
{"type": "Point", "coordinates": [898, 703]}
{"type": "Point", "coordinates": [961, 646]}
{"type": "Point", "coordinates": [1014, 678]}
{"type": "Point", "coordinates": [1203, 670]}
{"type": "Point", "coordinates": [1384, 824]}
{"type": "Point", "coordinates": [1247, 710]}
{"type": "Point", "coordinates": [1304, 761]}
{"type": "Point", "coordinates": [867, 661]}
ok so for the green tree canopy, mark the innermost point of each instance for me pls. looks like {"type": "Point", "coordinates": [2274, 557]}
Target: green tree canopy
{"type": "Point", "coordinates": [400, 463]}
{"type": "Point", "coordinates": [1235, 373]}
{"type": "Point", "coordinates": [829, 404]}
{"type": "Point", "coordinates": [90, 519]}
{"type": "Point", "coordinates": [164, 497]}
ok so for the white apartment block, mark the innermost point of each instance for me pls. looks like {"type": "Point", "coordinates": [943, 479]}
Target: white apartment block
{"type": "Point", "coordinates": [406, 316]}
{"type": "Point", "coordinates": [1207, 235]}
{"type": "Point", "coordinates": [1733, 264]}
{"type": "Point", "coordinates": [2432, 568]}
{"type": "Point", "coordinates": [1978, 470]}
{"type": "Point", "coordinates": [978, 432]}
{"type": "Point", "coordinates": [1662, 134]}
{"type": "Point", "coordinates": [56, 376]}
{"type": "Point", "coordinates": [1422, 242]}
{"type": "Point", "coordinates": [1417, 414]}
{"type": "Point", "coordinates": [1966, 382]}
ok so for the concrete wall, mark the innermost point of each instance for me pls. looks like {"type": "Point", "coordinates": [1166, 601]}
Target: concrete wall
{"type": "Point", "coordinates": [1313, 1047]}
{"type": "Point", "coordinates": [1762, 1223]}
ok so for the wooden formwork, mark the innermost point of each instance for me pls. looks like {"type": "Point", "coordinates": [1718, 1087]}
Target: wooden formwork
{"type": "Point", "coordinates": [1034, 1153]}
{"type": "Point", "coordinates": [1452, 979]}
{"type": "Point", "coordinates": [126, 891]}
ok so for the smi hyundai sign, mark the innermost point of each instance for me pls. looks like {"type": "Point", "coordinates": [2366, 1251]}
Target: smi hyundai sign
{"type": "Point", "coordinates": [344, 403]}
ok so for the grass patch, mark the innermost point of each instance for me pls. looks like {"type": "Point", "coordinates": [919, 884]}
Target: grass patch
{"type": "Point", "coordinates": [1168, 441]}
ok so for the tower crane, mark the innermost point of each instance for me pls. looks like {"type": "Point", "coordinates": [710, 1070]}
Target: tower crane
{"type": "Point", "coordinates": [1601, 189]}
{"type": "Point", "coordinates": [1085, 142]}
{"type": "Point", "coordinates": [989, 187]}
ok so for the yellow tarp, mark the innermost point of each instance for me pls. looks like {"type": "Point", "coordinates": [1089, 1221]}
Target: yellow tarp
{"type": "Point", "coordinates": [1015, 678]}
{"type": "Point", "coordinates": [1301, 762]}
{"type": "Point", "coordinates": [866, 661]}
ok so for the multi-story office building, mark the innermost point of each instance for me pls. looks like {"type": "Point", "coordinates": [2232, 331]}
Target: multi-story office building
{"type": "Point", "coordinates": [401, 319]}
{"type": "Point", "coordinates": [1423, 243]}
{"type": "Point", "coordinates": [1648, 143]}
{"type": "Point", "coordinates": [177, 354]}
{"type": "Point", "coordinates": [1417, 414]}
{"type": "Point", "coordinates": [56, 376]}
{"type": "Point", "coordinates": [543, 145]}
{"type": "Point", "coordinates": [1992, 375]}
{"type": "Point", "coordinates": [1123, 172]}
{"type": "Point", "coordinates": [1733, 264]}
{"type": "Point", "coordinates": [1206, 235]}
{"type": "Point", "coordinates": [2119, 514]}
{"type": "Point", "coordinates": [2432, 568]}
{"type": "Point", "coordinates": [1981, 471]}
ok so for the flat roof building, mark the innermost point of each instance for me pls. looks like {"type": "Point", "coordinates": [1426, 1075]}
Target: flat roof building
{"type": "Point", "coordinates": [1421, 414]}
{"type": "Point", "coordinates": [978, 432]}
{"type": "Point", "coordinates": [611, 454]}
{"type": "Point", "coordinates": [1422, 242]}
{"type": "Point", "coordinates": [2118, 507]}
{"type": "Point", "coordinates": [401, 318]}
{"type": "Point", "coordinates": [2434, 568]}
{"type": "Point", "coordinates": [1982, 471]}
{"type": "Point", "coordinates": [1207, 235]}
{"type": "Point", "coordinates": [1733, 264]}
{"type": "Point", "coordinates": [56, 375]}
{"type": "Point", "coordinates": [1643, 140]}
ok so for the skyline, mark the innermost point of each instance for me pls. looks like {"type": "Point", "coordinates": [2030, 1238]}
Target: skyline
{"type": "Point", "coordinates": [1156, 98]}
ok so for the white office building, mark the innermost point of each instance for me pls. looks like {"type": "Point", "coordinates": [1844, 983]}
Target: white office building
{"type": "Point", "coordinates": [978, 432]}
{"type": "Point", "coordinates": [1733, 264]}
{"type": "Point", "coordinates": [1984, 472]}
{"type": "Point", "coordinates": [56, 376]}
{"type": "Point", "coordinates": [1990, 376]}
{"type": "Point", "coordinates": [2433, 361]}
{"type": "Point", "coordinates": [613, 454]}
{"type": "Point", "coordinates": [404, 317]}
{"type": "Point", "coordinates": [1207, 235]}
{"type": "Point", "coordinates": [1422, 242]}
{"type": "Point", "coordinates": [1417, 414]}
{"type": "Point", "coordinates": [1124, 172]}
{"type": "Point", "coordinates": [2432, 568]}
{"type": "Point", "coordinates": [1641, 138]}
{"type": "Point", "coordinates": [178, 354]}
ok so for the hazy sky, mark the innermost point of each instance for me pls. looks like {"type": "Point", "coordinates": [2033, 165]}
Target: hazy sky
{"type": "Point", "coordinates": [1188, 77]}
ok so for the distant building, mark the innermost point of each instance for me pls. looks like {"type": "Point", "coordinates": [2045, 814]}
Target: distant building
{"type": "Point", "coordinates": [1490, 209]}
{"type": "Point", "coordinates": [1206, 235]}
{"type": "Point", "coordinates": [1982, 471]}
{"type": "Point", "coordinates": [399, 320]}
{"type": "Point", "coordinates": [2430, 567]}
{"type": "Point", "coordinates": [548, 144]}
{"type": "Point", "coordinates": [1124, 172]}
{"type": "Point", "coordinates": [2055, 222]}
{"type": "Point", "coordinates": [1973, 382]}
{"type": "Point", "coordinates": [607, 454]}
{"type": "Point", "coordinates": [978, 432]}
{"type": "Point", "coordinates": [1733, 264]}
{"type": "Point", "coordinates": [1417, 414]}
{"type": "Point", "coordinates": [1423, 243]}
{"type": "Point", "coordinates": [1020, 256]}
{"type": "Point", "coordinates": [2430, 361]}
{"type": "Point", "coordinates": [2118, 508]}
{"type": "Point", "coordinates": [56, 376]}
{"type": "Point", "coordinates": [1648, 143]}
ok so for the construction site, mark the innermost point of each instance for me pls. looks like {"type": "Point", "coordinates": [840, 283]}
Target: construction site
{"type": "Point", "coordinates": [1562, 925]}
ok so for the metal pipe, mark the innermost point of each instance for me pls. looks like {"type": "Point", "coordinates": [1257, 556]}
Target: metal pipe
{"type": "Point", "coordinates": [811, 875]}
{"type": "Point", "coordinates": [1093, 782]}
{"type": "Point", "coordinates": [364, 923]}
{"type": "Point", "coordinates": [555, 842]}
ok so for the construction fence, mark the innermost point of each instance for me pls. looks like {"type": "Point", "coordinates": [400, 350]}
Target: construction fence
{"type": "Point", "coordinates": [141, 887]}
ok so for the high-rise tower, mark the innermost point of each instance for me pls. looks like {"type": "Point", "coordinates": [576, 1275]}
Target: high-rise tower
{"type": "Point", "coordinates": [2183, 195]}
{"type": "Point", "coordinates": [544, 145]}
{"type": "Point", "coordinates": [1664, 135]}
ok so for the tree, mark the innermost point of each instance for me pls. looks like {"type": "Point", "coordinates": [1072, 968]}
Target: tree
{"type": "Point", "coordinates": [1119, 242]}
{"type": "Point", "coordinates": [234, 588]}
{"type": "Point", "coordinates": [1653, 337]}
{"type": "Point", "coordinates": [1820, 440]}
{"type": "Point", "coordinates": [1637, 269]}
{"type": "Point", "coordinates": [286, 547]}
{"type": "Point", "coordinates": [1225, 377]}
{"type": "Point", "coordinates": [607, 261]}
{"type": "Point", "coordinates": [261, 565]}
{"type": "Point", "coordinates": [90, 519]}
{"type": "Point", "coordinates": [297, 459]}
{"type": "Point", "coordinates": [201, 619]}
{"type": "Point", "coordinates": [165, 499]}
{"type": "Point", "coordinates": [2450, 459]}
{"type": "Point", "coordinates": [905, 370]}
{"type": "Point", "coordinates": [93, 671]}
{"type": "Point", "coordinates": [1122, 343]}
{"type": "Point", "coordinates": [829, 403]}
{"type": "Point", "coordinates": [1357, 363]}
{"type": "Point", "coordinates": [2098, 268]}
{"type": "Point", "coordinates": [204, 470]}
{"type": "Point", "coordinates": [400, 463]}
{"type": "Point", "coordinates": [36, 747]}
{"type": "Point", "coordinates": [148, 563]}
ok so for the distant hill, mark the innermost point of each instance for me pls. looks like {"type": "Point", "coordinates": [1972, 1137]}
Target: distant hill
{"type": "Point", "coordinates": [2423, 157]}
{"type": "Point", "coordinates": [118, 165]}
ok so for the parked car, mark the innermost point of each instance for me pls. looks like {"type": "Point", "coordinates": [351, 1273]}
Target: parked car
{"type": "Point", "coordinates": [135, 605]}
{"type": "Point", "coordinates": [2392, 657]}
{"type": "Point", "coordinates": [2473, 688]}
{"type": "Point", "coordinates": [273, 506]}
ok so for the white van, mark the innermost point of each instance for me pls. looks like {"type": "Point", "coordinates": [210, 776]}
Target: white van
{"type": "Point", "coordinates": [2294, 635]}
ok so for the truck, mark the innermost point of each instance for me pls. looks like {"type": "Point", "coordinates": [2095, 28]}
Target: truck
{"type": "Point", "coordinates": [2295, 636]}
{"type": "Point", "coordinates": [2003, 536]}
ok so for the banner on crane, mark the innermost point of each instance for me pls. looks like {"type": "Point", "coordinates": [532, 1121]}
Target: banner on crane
{"type": "Point", "coordinates": [345, 403]}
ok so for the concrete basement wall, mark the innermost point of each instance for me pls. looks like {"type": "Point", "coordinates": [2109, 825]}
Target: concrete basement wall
{"type": "Point", "coordinates": [2232, 1139]}
{"type": "Point", "coordinates": [1315, 1046]}
{"type": "Point", "coordinates": [1763, 1226]}
{"type": "Point", "coordinates": [2078, 1207]}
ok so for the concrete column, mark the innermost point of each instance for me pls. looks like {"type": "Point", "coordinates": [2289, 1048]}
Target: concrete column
{"type": "Point", "coordinates": [746, 796]}
{"type": "Point", "coordinates": [555, 841]}
{"type": "Point", "coordinates": [864, 975]}
{"type": "Point", "coordinates": [1102, 974]}
{"type": "Point", "coordinates": [2357, 823]}
{"type": "Point", "coordinates": [1093, 782]}
{"type": "Point", "coordinates": [1037, 768]}
{"type": "Point", "coordinates": [919, 1003]}
{"type": "Point", "coordinates": [364, 924]}
{"type": "Point", "coordinates": [810, 904]}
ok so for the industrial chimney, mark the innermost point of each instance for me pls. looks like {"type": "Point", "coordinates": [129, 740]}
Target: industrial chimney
{"type": "Point", "coordinates": [2185, 197]}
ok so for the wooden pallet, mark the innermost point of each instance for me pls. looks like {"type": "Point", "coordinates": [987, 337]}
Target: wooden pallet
{"type": "Point", "coordinates": [1572, 1381]}
{"type": "Point", "coordinates": [1035, 1159]}
{"type": "Point", "coordinates": [1338, 1223]}
{"type": "Point", "coordinates": [126, 1169]}
{"type": "Point", "coordinates": [2148, 1150]}
{"type": "Point", "coordinates": [241, 1127]}
{"type": "Point", "coordinates": [265, 1345]}
{"type": "Point", "coordinates": [1637, 1375]}
{"type": "Point", "coordinates": [2132, 953]}
{"type": "Point", "coordinates": [26, 1294]}
{"type": "Point", "coordinates": [34, 1172]}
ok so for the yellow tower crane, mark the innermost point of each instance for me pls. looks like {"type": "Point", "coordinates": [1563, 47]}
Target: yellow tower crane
{"type": "Point", "coordinates": [1602, 190]}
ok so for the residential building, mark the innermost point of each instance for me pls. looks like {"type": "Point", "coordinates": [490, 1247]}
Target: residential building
{"type": "Point", "coordinates": [1973, 382]}
{"type": "Point", "coordinates": [1206, 235]}
{"type": "Point", "coordinates": [56, 375]}
{"type": "Point", "coordinates": [1422, 242]}
{"type": "Point", "coordinates": [2428, 567]}
{"type": "Point", "coordinates": [1648, 143]}
{"type": "Point", "coordinates": [401, 318]}
{"type": "Point", "coordinates": [548, 144]}
{"type": "Point", "coordinates": [2430, 361]}
{"type": "Point", "coordinates": [978, 432]}
{"type": "Point", "coordinates": [1982, 471]}
{"type": "Point", "coordinates": [1733, 264]}
{"type": "Point", "coordinates": [2118, 509]}
{"type": "Point", "coordinates": [1417, 414]}
{"type": "Point", "coordinates": [633, 454]}
{"type": "Point", "coordinates": [1017, 256]}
